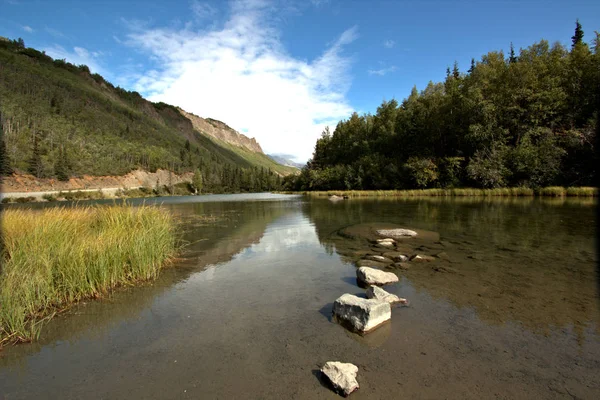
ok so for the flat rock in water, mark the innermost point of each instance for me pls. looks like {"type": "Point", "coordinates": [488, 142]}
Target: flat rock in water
{"type": "Point", "coordinates": [378, 258]}
{"type": "Point", "coordinates": [396, 256]}
{"type": "Point", "coordinates": [372, 276]}
{"type": "Point", "coordinates": [370, 263]}
{"type": "Point", "coordinates": [397, 233]}
{"type": "Point", "coordinates": [342, 376]}
{"type": "Point", "coordinates": [386, 240]}
{"type": "Point", "coordinates": [402, 265]}
{"type": "Point", "coordinates": [422, 258]}
{"type": "Point", "coordinates": [361, 315]}
{"type": "Point", "coordinates": [377, 293]}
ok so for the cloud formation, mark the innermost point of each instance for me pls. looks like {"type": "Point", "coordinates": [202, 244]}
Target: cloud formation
{"type": "Point", "coordinates": [240, 73]}
{"type": "Point", "coordinates": [382, 71]}
{"type": "Point", "coordinates": [27, 28]}
{"type": "Point", "coordinates": [389, 43]}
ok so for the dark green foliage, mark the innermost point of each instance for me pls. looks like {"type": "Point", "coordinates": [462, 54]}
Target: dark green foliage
{"type": "Point", "coordinates": [5, 168]}
{"type": "Point", "coordinates": [60, 121]}
{"type": "Point", "coordinates": [577, 38]}
{"type": "Point", "coordinates": [525, 120]}
{"type": "Point", "coordinates": [35, 167]}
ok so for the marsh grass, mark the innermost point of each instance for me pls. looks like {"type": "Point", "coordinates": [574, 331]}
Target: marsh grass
{"type": "Point", "coordinates": [55, 257]}
{"type": "Point", "coordinates": [460, 192]}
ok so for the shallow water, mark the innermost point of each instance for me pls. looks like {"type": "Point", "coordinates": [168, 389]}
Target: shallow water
{"type": "Point", "coordinates": [247, 313]}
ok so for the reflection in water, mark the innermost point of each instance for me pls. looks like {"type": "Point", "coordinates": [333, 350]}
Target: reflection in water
{"type": "Point", "coordinates": [247, 312]}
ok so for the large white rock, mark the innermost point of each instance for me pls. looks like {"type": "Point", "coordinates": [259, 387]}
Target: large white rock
{"type": "Point", "coordinates": [342, 376]}
{"type": "Point", "coordinates": [396, 233]}
{"type": "Point", "coordinates": [372, 276]}
{"type": "Point", "coordinates": [377, 293]}
{"type": "Point", "coordinates": [361, 315]}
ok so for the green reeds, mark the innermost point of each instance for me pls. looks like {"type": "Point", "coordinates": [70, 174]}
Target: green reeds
{"type": "Point", "coordinates": [55, 257]}
{"type": "Point", "coordinates": [460, 192]}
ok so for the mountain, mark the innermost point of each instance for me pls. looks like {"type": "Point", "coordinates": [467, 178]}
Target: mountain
{"type": "Point", "coordinates": [284, 159]}
{"type": "Point", "coordinates": [60, 120]}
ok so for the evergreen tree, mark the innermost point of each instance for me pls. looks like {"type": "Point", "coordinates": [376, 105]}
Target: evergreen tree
{"type": "Point", "coordinates": [472, 68]}
{"type": "Point", "coordinates": [5, 168]}
{"type": "Point", "coordinates": [577, 38]}
{"type": "Point", "coordinates": [197, 181]}
{"type": "Point", "coordinates": [35, 163]}
{"type": "Point", "coordinates": [512, 59]}
{"type": "Point", "coordinates": [61, 167]}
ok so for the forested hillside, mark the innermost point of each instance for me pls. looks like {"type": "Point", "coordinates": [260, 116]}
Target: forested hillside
{"type": "Point", "coordinates": [59, 120]}
{"type": "Point", "coordinates": [525, 119]}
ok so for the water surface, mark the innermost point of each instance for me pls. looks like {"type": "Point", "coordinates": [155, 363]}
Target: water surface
{"type": "Point", "coordinates": [247, 312]}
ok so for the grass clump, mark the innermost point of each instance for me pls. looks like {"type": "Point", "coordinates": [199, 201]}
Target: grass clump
{"type": "Point", "coordinates": [55, 257]}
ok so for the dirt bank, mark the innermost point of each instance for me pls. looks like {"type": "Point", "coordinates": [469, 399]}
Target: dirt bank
{"type": "Point", "coordinates": [23, 183]}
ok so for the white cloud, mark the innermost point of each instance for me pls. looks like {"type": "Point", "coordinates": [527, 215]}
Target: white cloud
{"type": "Point", "coordinates": [389, 43]}
{"type": "Point", "coordinates": [77, 56]}
{"type": "Point", "coordinates": [382, 71]}
{"type": "Point", "coordinates": [241, 74]}
{"type": "Point", "coordinates": [27, 29]}
{"type": "Point", "coordinates": [202, 10]}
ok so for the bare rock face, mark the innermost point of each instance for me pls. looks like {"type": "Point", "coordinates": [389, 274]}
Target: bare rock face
{"type": "Point", "coordinates": [372, 276]}
{"type": "Point", "coordinates": [342, 376]}
{"type": "Point", "coordinates": [397, 233]}
{"type": "Point", "coordinates": [361, 315]}
{"type": "Point", "coordinates": [377, 293]}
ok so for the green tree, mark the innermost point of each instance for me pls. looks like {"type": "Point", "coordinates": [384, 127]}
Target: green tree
{"type": "Point", "coordinates": [197, 181]}
{"type": "Point", "coordinates": [577, 37]}
{"type": "Point", "coordinates": [35, 167]}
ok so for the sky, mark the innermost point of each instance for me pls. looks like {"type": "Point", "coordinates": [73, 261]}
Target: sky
{"type": "Point", "coordinates": [282, 70]}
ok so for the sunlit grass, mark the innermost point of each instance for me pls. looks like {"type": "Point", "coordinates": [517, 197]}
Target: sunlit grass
{"type": "Point", "coordinates": [498, 192]}
{"type": "Point", "coordinates": [55, 257]}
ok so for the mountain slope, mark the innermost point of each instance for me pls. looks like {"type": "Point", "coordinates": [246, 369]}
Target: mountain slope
{"type": "Point", "coordinates": [284, 160]}
{"type": "Point", "coordinates": [59, 120]}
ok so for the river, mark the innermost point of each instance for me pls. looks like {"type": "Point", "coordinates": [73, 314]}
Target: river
{"type": "Point", "coordinates": [247, 312]}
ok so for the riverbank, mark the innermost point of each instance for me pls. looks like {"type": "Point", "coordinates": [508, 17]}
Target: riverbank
{"type": "Point", "coordinates": [553, 191]}
{"type": "Point", "coordinates": [56, 257]}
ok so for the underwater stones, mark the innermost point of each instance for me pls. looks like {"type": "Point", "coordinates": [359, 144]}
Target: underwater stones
{"type": "Point", "coordinates": [361, 315]}
{"type": "Point", "coordinates": [378, 258]}
{"type": "Point", "coordinates": [397, 233]}
{"type": "Point", "coordinates": [443, 256]}
{"type": "Point", "coordinates": [422, 258]}
{"type": "Point", "coordinates": [341, 376]}
{"type": "Point", "coordinates": [370, 263]}
{"type": "Point", "coordinates": [402, 265]}
{"type": "Point", "coordinates": [335, 198]}
{"type": "Point", "coordinates": [377, 293]}
{"type": "Point", "coordinates": [386, 240]}
{"type": "Point", "coordinates": [372, 276]}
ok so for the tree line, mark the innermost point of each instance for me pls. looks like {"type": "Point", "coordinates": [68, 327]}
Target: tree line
{"type": "Point", "coordinates": [526, 119]}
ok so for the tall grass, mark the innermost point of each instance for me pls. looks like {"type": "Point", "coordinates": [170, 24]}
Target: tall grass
{"type": "Point", "coordinates": [499, 192]}
{"type": "Point", "coordinates": [55, 257]}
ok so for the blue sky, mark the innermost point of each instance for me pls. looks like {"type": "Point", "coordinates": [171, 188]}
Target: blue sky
{"type": "Point", "coordinates": [281, 70]}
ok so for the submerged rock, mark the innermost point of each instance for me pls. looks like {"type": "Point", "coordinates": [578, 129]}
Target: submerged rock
{"type": "Point", "coordinates": [422, 258]}
{"type": "Point", "coordinates": [335, 198]}
{"type": "Point", "coordinates": [386, 240]}
{"type": "Point", "coordinates": [402, 265]}
{"type": "Point", "coordinates": [342, 376]}
{"type": "Point", "coordinates": [377, 293]}
{"type": "Point", "coordinates": [378, 258]}
{"type": "Point", "coordinates": [397, 233]}
{"type": "Point", "coordinates": [361, 315]}
{"type": "Point", "coordinates": [370, 263]}
{"type": "Point", "coordinates": [372, 276]}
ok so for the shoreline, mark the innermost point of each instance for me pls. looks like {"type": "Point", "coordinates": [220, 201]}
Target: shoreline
{"type": "Point", "coordinates": [552, 191]}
